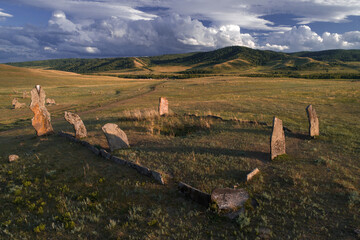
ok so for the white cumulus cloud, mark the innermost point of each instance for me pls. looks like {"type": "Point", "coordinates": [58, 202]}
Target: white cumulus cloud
{"type": "Point", "coordinates": [4, 15]}
{"type": "Point", "coordinates": [302, 38]}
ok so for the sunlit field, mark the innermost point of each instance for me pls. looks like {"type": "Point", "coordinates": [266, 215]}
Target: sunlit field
{"type": "Point", "coordinates": [60, 190]}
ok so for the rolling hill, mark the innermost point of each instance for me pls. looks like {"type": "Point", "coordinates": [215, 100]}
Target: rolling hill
{"type": "Point", "coordinates": [235, 59]}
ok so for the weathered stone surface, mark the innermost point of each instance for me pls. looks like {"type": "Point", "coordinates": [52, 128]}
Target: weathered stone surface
{"type": "Point", "coordinates": [105, 154]}
{"type": "Point", "coordinates": [14, 101]}
{"type": "Point", "coordinates": [75, 120]}
{"type": "Point", "coordinates": [252, 174]}
{"type": "Point", "coordinates": [228, 198]}
{"type": "Point", "coordinates": [163, 106]}
{"type": "Point", "coordinates": [313, 121]}
{"type": "Point", "coordinates": [116, 137]}
{"type": "Point", "coordinates": [95, 150]}
{"type": "Point", "coordinates": [13, 158]}
{"type": "Point", "coordinates": [50, 101]}
{"type": "Point", "coordinates": [25, 94]}
{"type": "Point", "coordinates": [157, 176]}
{"type": "Point", "coordinates": [265, 233]}
{"type": "Point", "coordinates": [195, 194]}
{"type": "Point", "coordinates": [41, 120]}
{"type": "Point", "coordinates": [19, 105]}
{"type": "Point", "coordinates": [119, 160]}
{"type": "Point", "coordinates": [233, 215]}
{"type": "Point", "coordinates": [277, 140]}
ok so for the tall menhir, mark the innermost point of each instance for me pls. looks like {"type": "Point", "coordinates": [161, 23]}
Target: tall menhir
{"type": "Point", "coordinates": [41, 120]}
{"type": "Point", "coordinates": [313, 121]}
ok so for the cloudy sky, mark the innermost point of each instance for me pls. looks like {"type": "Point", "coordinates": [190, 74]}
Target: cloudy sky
{"type": "Point", "coordinates": [47, 29]}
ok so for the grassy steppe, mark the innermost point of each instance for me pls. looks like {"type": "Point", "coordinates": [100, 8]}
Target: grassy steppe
{"type": "Point", "coordinates": [59, 190]}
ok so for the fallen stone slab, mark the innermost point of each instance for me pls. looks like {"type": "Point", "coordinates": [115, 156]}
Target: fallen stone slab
{"type": "Point", "coordinates": [252, 174]}
{"type": "Point", "coordinates": [94, 149]}
{"type": "Point", "coordinates": [229, 198]}
{"type": "Point", "coordinates": [119, 160]}
{"type": "Point", "coordinates": [158, 177]}
{"type": "Point", "coordinates": [195, 194]}
{"type": "Point", "coordinates": [13, 157]}
{"type": "Point", "coordinates": [105, 154]}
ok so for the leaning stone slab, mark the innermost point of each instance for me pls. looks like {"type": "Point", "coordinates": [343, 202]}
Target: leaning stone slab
{"type": "Point", "coordinates": [75, 120]}
{"type": "Point", "coordinates": [195, 194]}
{"type": "Point", "coordinates": [163, 106]}
{"type": "Point", "coordinates": [313, 121]}
{"type": "Point", "coordinates": [252, 174]}
{"type": "Point", "coordinates": [41, 120]}
{"type": "Point", "coordinates": [13, 158]}
{"type": "Point", "coordinates": [116, 137]}
{"type": "Point", "coordinates": [229, 198]}
{"type": "Point", "coordinates": [277, 140]}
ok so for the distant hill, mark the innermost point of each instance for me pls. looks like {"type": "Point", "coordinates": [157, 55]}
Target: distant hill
{"type": "Point", "coordinates": [234, 60]}
{"type": "Point", "coordinates": [332, 55]}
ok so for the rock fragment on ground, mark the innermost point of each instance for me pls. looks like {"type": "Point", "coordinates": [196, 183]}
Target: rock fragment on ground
{"type": "Point", "coordinates": [50, 101]}
{"type": "Point", "coordinates": [116, 137]}
{"type": "Point", "coordinates": [41, 120]}
{"type": "Point", "coordinates": [13, 158]}
{"type": "Point", "coordinates": [252, 174]}
{"type": "Point", "coordinates": [75, 120]}
{"type": "Point", "coordinates": [277, 140]}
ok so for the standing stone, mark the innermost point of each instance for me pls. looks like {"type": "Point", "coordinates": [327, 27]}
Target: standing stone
{"type": "Point", "coordinates": [116, 137]}
{"type": "Point", "coordinates": [41, 120]}
{"type": "Point", "coordinates": [163, 106]}
{"type": "Point", "coordinates": [277, 140]}
{"type": "Point", "coordinates": [313, 121]}
{"type": "Point", "coordinates": [75, 120]}
{"type": "Point", "coordinates": [228, 198]}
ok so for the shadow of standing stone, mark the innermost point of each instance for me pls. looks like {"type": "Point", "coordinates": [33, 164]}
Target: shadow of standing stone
{"type": "Point", "coordinates": [116, 137]}
{"type": "Point", "coordinates": [195, 194]}
{"type": "Point", "coordinates": [277, 140]}
{"type": "Point", "coordinates": [41, 120]}
{"type": "Point", "coordinates": [313, 121]}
